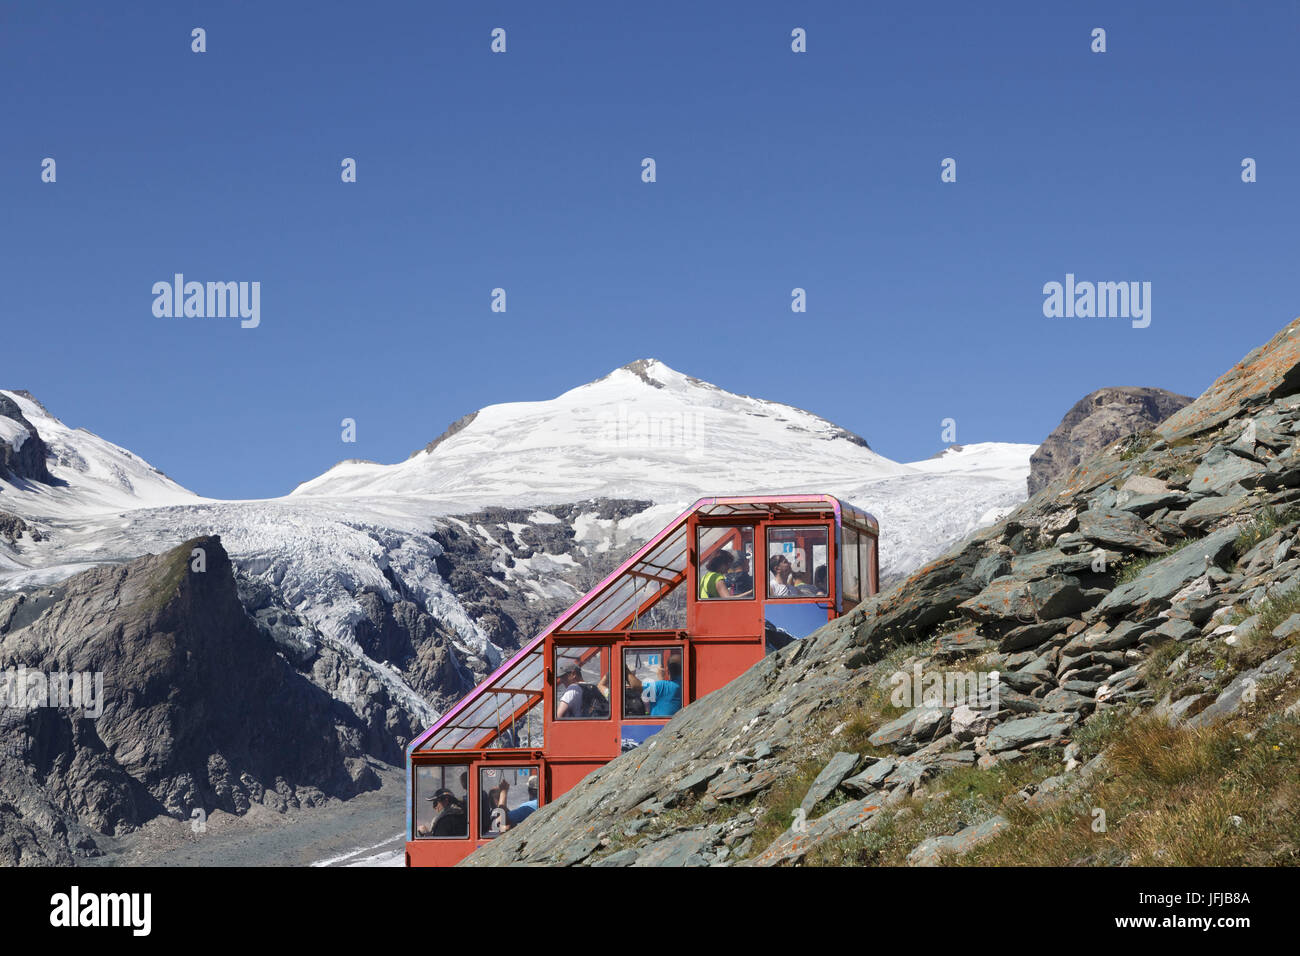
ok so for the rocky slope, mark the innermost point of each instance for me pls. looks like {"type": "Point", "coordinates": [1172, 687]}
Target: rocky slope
{"type": "Point", "coordinates": [1141, 613]}
{"type": "Point", "coordinates": [1094, 422]}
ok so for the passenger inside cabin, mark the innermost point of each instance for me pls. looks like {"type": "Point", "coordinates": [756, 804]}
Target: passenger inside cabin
{"type": "Point", "coordinates": [800, 587]}
{"type": "Point", "coordinates": [633, 705]}
{"type": "Point", "coordinates": [512, 818]}
{"type": "Point", "coordinates": [449, 819]}
{"type": "Point", "coordinates": [739, 581]}
{"type": "Point", "coordinates": [570, 705]}
{"type": "Point", "coordinates": [664, 696]}
{"type": "Point", "coordinates": [488, 801]}
{"type": "Point", "coordinates": [780, 580]}
{"type": "Point", "coordinates": [713, 583]}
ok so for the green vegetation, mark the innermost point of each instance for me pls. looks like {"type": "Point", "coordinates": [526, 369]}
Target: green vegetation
{"type": "Point", "coordinates": [169, 583]}
{"type": "Point", "coordinates": [1173, 796]}
{"type": "Point", "coordinates": [1134, 445]}
{"type": "Point", "coordinates": [1135, 565]}
{"type": "Point", "coordinates": [960, 797]}
{"type": "Point", "coordinates": [1257, 643]}
{"type": "Point", "coordinates": [1227, 795]}
{"type": "Point", "coordinates": [1262, 525]}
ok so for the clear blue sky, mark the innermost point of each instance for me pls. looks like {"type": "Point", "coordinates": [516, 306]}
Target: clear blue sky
{"type": "Point", "coordinates": [522, 170]}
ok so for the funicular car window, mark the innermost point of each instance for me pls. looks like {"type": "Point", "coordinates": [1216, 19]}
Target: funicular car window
{"type": "Point", "coordinates": [797, 562]}
{"type": "Point", "coordinates": [507, 795]}
{"type": "Point", "coordinates": [582, 682]}
{"type": "Point", "coordinates": [652, 681]}
{"type": "Point", "coordinates": [849, 566]}
{"type": "Point", "coordinates": [441, 801]}
{"type": "Point", "coordinates": [525, 731]}
{"type": "Point", "coordinates": [725, 562]}
{"type": "Point", "coordinates": [866, 557]}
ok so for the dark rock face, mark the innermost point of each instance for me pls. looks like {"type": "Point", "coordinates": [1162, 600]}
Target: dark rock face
{"type": "Point", "coordinates": [198, 711]}
{"type": "Point", "coordinates": [1069, 600]}
{"type": "Point", "coordinates": [1094, 422]}
{"type": "Point", "coordinates": [13, 527]}
{"type": "Point", "coordinates": [28, 461]}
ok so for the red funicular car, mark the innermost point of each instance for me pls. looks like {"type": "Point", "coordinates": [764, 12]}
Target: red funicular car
{"type": "Point", "coordinates": [608, 672]}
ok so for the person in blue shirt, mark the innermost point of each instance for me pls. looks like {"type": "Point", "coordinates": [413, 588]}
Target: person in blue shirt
{"type": "Point", "coordinates": [664, 696]}
{"type": "Point", "coordinates": [522, 812]}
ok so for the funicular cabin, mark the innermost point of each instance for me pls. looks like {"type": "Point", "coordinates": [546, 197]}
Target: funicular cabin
{"type": "Point", "coordinates": [602, 678]}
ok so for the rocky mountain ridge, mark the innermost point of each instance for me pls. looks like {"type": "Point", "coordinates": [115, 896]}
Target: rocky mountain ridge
{"type": "Point", "coordinates": [1095, 421]}
{"type": "Point", "coordinates": [196, 710]}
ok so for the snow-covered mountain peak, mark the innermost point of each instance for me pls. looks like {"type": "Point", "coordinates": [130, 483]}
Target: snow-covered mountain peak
{"type": "Point", "coordinates": [654, 373]}
{"type": "Point", "coordinates": [644, 430]}
{"type": "Point", "coordinates": [90, 475]}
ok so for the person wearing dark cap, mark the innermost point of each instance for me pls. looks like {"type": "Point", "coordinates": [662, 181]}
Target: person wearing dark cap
{"type": "Point", "coordinates": [449, 818]}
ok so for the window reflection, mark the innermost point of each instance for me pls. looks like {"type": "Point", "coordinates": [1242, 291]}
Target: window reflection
{"type": "Point", "coordinates": [849, 563]}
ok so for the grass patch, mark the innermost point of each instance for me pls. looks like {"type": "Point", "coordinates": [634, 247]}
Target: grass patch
{"type": "Point", "coordinates": [1257, 644]}
{"type": "Point", "coordinates": [170, 581]}
{"type": "Point", "coordinates": [1173, 796]}
{"type": "Point", "coordinates": [857, 719]}
{"type": "Point", "coordinates": [1135, 565]}
{"type": "Point", "coordinates": [961, 797]}
{"type": "Point", "coordinates": [1135, 445]}
{"type": "Point", "coordinates": [1265, 522]}
{"type": "Point", "coordinates": [1095, 733]}
{"type": "Point", "coordinates": [782, 800]}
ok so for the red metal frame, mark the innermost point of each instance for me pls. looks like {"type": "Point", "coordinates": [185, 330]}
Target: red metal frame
{"type": "Point", "coordinates": [722, 639]}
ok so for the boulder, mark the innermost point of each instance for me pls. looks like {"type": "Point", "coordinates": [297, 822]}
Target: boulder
{"type": "Point", "coordinates": [680, 849]}
{"type": "Point", "coordinates": [793, 845]}
{"type": "Point", "coordinates": [836, 769]}
{"type": "Point", "coordinates": [1015, 734]}
{"type": "Point", "coordinates": [741, 784]}
{"type": "Point", "coordinates": [918, 725]}
{"type": "Point", "coordinates": [968, 723]}
{"type": "Point", "coordinates": [1221, 469]}
{"type": "Point", "coordinates": [1270, 371]}
{"type": "Point", "coordinates": [1243, 686]}
{"type": "Point", "coordinates": [872, 778]}
{"type": "Point", "coordinates": [1010, 598]}
{"type": "Point", "coordinates": [959, 644]}
{"type": "Point", "coordinates": [1206, 511]}
{"type": "Point", "coordinates": [1032, 635]}
{"type": "Point", "coordinates": [1159, 581]}
{"type": "Point", "coordinates": [1119, 529]}
{"type": "Point", "coordinates": [931, 852]}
